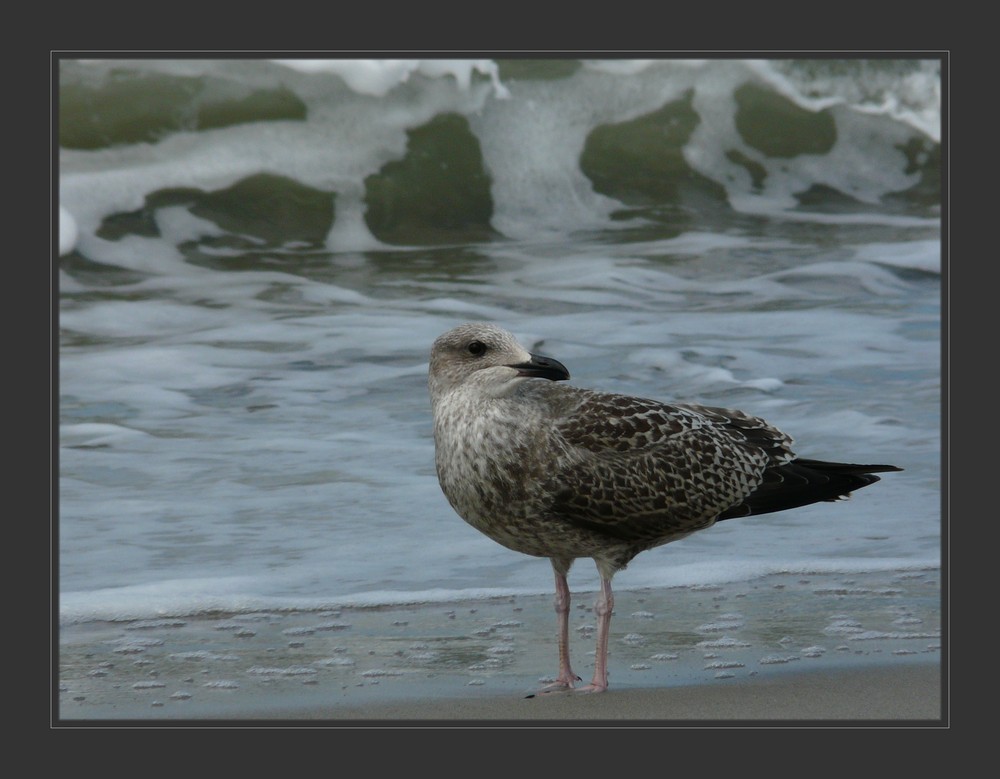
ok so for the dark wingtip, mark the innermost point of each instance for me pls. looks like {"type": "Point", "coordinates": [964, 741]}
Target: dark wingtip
{"type": "Point", "coordinates": [847, 467]}
{"type": "Point", "coordinates": [802, 482]}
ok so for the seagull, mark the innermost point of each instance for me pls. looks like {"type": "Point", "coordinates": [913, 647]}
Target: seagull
{"type": "Point", "coordinates": [556, 471]}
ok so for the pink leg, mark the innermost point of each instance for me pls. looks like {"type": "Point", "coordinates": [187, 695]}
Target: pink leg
{"type": "Point", "coordinates": [602, 609]}
{"type": "Point", "coordinates": [566, 676]}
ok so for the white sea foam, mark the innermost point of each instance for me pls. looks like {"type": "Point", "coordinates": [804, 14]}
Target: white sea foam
{"type": "Point", "coordinates": [68, 231]}
{"type": "Point", "coordinates": [531, 143]}
{"type": "Point", "coordinates": [378, 77]}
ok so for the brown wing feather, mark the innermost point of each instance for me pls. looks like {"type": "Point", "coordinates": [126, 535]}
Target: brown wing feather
{"type": "Point", "coordinates": [642, 471]}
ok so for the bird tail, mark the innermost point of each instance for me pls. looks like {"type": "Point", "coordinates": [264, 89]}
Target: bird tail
{"type": "Point", "coordinates": [801, 482]}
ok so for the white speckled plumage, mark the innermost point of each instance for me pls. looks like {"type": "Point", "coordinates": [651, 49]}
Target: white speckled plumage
{"type": "Point", "coordinates": [556, 471]}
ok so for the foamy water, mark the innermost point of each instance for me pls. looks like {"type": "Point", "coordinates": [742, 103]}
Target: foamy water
{"type": "Point", "coordinates": [254, 267]}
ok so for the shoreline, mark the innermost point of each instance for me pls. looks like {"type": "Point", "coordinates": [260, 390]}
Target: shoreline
{"type": "Point", "coordinates": [909, 694]}
{"type": "Point", "coordinates": [841, 648]}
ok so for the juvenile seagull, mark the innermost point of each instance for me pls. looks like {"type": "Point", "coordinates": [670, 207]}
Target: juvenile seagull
{"type": "Point", "coordinates": [556, 471]}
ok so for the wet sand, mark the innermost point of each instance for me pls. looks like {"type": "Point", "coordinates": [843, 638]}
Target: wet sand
{"type": "Point", "coordinates": [907, 692]}
{"type": "Point", "coordinates": [785, 648]}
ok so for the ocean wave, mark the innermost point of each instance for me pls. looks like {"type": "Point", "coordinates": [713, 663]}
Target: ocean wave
{"type": "Point", "coordinates": [382, 153]}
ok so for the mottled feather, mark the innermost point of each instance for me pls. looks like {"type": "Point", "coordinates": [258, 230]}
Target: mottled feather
{"type": "Point", "coordinates": [556, 471]}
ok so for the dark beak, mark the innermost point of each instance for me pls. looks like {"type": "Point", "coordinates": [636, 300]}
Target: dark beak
{"type": "Point", "coordinates": [542, 368]}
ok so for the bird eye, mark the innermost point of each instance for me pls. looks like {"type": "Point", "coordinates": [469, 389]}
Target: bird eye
{"type": "Point", "coordinates": [476, 348]}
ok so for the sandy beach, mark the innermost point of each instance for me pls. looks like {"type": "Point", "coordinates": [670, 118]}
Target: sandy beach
{"type": "Point", "coordinates": [901, 693]}
{"type": "Point", "coordinates": [789, 648]}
